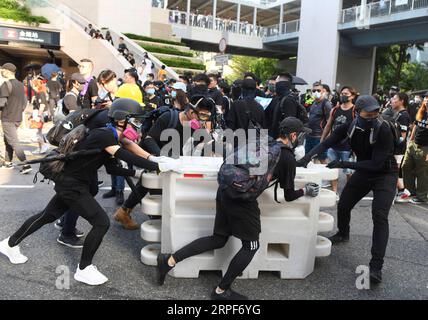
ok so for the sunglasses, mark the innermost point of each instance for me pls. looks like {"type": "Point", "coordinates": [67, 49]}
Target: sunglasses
{"type": "Point", "coordinates": [316, 90]}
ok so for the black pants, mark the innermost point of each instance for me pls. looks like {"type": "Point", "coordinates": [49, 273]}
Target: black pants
{"type": "Point", "coordinates": [135, 197]}
{"type": "Point", "coordinates": [383, 187]}
{"type": "Point", "coordinates": [238, 264]}
{"type": "Point", "coordinates": [78, 199]}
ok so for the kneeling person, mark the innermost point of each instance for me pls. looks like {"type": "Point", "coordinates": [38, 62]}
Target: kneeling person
{"type": "Point", "coordinates": [241, 219]}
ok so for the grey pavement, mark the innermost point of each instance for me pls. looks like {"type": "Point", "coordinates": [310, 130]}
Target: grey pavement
{"type": "Point", "coordinates": [405, 271]}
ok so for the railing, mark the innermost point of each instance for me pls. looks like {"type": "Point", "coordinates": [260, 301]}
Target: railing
{"type": "Point", "coordinates": [288, 27]}
{"type": "Point", "coordinates": [380, 9]}
{"type": "Point", "coordinates": [219, 24]}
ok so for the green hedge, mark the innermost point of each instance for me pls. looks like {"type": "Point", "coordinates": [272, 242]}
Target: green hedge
{"type": "Point", "coordinates": [11, 9]}
{"type": "Point", "coordinates": [182, 63]}
{"type": "Point", "coordinates": [166, 50]}
{"type": "Point", "coordinates": [142, 38]}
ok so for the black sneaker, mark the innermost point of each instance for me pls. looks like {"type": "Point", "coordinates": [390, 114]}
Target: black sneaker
{"type": "Point", "coordinates": [375, 276]}
{"type": "Point", "coordinates": [26, 169]}
{"type": "Point", "coordinates": [110, 194]}
{"type": "Point", "coordinates": [228, 294]}
{"type": "Point", "coordinates": [339, 238]}
{"type": "Point", "coordinates": [119, 198]}
{"type": "Point", "coordinates": [72, 242]}
{"type": "Point", "coordinates": [163, 267]}
{"type": "Point", "coordinates": [59, 225]}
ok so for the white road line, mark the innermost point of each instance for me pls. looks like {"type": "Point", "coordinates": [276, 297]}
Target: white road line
{"type": "Point", "coordinates": [15, 187]}
{"type": "Point", "coordinates": [108, 188]}
{"type": "Point", "coordinates": [368, 199]}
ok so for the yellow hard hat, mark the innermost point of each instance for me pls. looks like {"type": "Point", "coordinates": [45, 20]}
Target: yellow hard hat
{"type": "Point", "coordinates": [130, 91]}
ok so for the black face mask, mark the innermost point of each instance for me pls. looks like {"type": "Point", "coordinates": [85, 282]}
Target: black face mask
{"type": "Point", "coordinates": [282, 87]}
{"type": "Point", "coordinates": [201, 88]}
{"type": "Point", "coordinates": [366, 124]}
{"type": "Point", "coordinates": [344, 99]}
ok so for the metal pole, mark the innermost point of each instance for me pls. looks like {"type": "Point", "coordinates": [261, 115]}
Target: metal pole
{"type": "Point", "coordinates": [281, 17]}
{"type": "Point", "coordinates": [254, 20]}
{"type": "Point", "coordinates": [238, 18]}
{"type": "Point", "coordinates": [189, 3]}
{"type": "Point", "coordinates": [214, 13]}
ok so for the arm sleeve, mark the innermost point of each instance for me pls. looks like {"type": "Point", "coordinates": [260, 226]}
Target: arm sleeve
{"type": "Point", "coordinates": [149, 144]}
{"type": "Point", "coordinates": [382, 150]}
{"type": "Point", "coordinates": [337, 136]}
{"type": "Point", "coordinates": [291, 195]}
{"type": "Point", "coordinates": [113, 169]}
{"type": "Point", "coordinates": [131, 158]}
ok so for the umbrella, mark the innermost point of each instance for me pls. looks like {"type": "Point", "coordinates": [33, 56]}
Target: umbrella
{"type": "Point", "coordinates": [33, 66]}
{"type": "Point", "coordinates": [298, 81]}
{"type": "Point", "coordinates": [48, 68]}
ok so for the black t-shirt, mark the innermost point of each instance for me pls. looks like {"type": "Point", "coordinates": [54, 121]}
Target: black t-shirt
{"type": "Point", "coordinates": [91, 92]}
{"type": "Point", "coordinates": [403, 120]}
{"type": "Point", "coordinates": [40, 99]}
{"type": "Point", "coordinates": [421, 135]}
{"type": "Point", "coordinates": [216, 95]}
{"type": "Point", "coordinates": [161, 124]}
{"type": "Point", "coordinates": [341, 117]}
{"type": "Point", "coordinates": [100, 120]}
{"type": "Point", "coordinates": [151, 102]}
{"type": "Point", "coordinates": [285, 171]}
{"type": "Point", "coordinates": [238, 118]}
{"type": "Point", "coordinates": [84, 169]}
{"type": "Point", "coordinates": [71, 103]}
{"type": "Point", "coordinates": [15, 100]}
{"type": "Point", "coordinates": [54, 89]}
{"type": "Point", "coordinates": [274, 112]}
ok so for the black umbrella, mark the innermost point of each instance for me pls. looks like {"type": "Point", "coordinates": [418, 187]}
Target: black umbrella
{"type": "Point", "coordinates": [298, 81]}
{"type": "Point", "coordinates": [33, 66]}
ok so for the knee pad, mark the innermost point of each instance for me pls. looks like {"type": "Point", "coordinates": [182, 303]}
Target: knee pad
{"type": "Point", "coordinates": [251, 245]}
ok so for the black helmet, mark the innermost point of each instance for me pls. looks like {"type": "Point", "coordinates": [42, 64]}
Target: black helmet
{"type": "Point", "coordinates": [123, 109]}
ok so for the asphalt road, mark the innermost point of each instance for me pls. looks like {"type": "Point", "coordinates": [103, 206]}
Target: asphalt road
{"type": "Point", "coordinates": [405, 271]}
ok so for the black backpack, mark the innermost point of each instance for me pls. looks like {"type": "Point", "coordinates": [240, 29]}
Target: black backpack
{"type": "Point", "coordinates": [73, 120]}
{"type": "Point", "coordinates": [302, 113]}
{"type": "Point", "coordinates": [151, 117]}
{"type": "Point", "coordinates": [393, 125]}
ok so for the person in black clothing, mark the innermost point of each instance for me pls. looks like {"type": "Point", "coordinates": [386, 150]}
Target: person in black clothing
{"type": "Point", "coordinates": [89, 93]}
{"type": "Point", "coordinates": [246, 109]}
{"type": "Point", "coordinates": [151, 100]}
{"type": "Point", "coordinates": [399, 104]}
{"type": "Point", "coordinates": [250, 75]}
{"type": "Point", "coordinates": [282, 105]}
{"type": "Point", "coordinates": [213, 90]}
{"type": "Point", "coordinates": [173, 119]}
{"type": "Point", "coordinates": [200, 85]}
{"type": "Point", "coordinates": [376, 170]}
{"type": "Point", "coordinates": [241, 219]}
{"type": "Point", "coordinates": [73, 189]}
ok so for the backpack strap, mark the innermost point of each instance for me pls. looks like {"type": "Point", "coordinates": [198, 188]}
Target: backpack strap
{"type": "Point", "coordinates": [113, 129]}
{"type": "Point", "coordinates": [173, 120]}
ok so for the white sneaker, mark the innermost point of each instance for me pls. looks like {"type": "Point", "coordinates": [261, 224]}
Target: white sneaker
{"type": "Point", "coordinates": [13, 253]}
{"type": "Point", "coordinates": [90, 275]}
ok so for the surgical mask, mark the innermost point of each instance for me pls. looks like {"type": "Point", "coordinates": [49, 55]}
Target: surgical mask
{"type": "Point", "coordinates": [366, 124]}
{"type": "Point", "coordinates": [150, 92]}
{"type": "Point", "coordinates": [173, 94]}
{"type": "Point", "coordinates": [344, 99]}
{"type": "Point", "coordinates": [131, 134]}
{"type": "Point", "coordinates": [317, 95]}
{"type": "Point", "coordinates": [195, 124]}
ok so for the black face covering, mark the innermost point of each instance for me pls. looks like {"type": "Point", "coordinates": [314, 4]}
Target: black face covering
{"type": "Point", "coordinates": [344, 99]}
{"type": "Point", "coordinates": [282, 87]}
{"type": "Point", "coordinates": [201, 89]}
{"type": "Point", "coordinates": [365, 124]}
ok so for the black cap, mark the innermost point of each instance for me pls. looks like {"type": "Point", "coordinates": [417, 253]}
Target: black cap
{"type": "Point", "coordinates": [78, 77]}
{"type": "Point", "coordinates": [9, 66]}
{"type": "Point", "coordinates": [367, 103]}
{"type": "Point", "coordinates": [292, 124]}
{"type": "Point", "coordinates": [249, 84]}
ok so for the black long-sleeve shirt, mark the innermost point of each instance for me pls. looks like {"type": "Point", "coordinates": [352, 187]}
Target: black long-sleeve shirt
{"type": "Point", "coordinates": [376, 158]}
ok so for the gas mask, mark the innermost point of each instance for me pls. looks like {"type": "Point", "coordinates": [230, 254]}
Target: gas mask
{"type": "Point", "coordinates": [195, 124]}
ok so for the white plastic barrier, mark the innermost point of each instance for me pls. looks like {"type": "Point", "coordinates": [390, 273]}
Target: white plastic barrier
{"type": "Point", "coordinates": [289, 242]}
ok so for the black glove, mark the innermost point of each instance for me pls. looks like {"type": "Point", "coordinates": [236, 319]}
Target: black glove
{"type": "Point", "coordinates": [336, 165]}
{"type": "Point", "coordinates": [302, 163]}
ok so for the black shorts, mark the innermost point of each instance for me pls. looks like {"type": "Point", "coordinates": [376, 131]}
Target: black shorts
{"type": "Point", "coordinates": [237, 218]}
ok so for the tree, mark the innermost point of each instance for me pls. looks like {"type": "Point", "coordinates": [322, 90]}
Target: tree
{"type": "Point", "coordinates": [390, 63]}
{"type": "Point", "coordinates": [263, 68]}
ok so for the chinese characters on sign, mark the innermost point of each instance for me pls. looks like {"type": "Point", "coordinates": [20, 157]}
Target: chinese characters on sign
{"type": "Point", "coordinates": [29, 35]}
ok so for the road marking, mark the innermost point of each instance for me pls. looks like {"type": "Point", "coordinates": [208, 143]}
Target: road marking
{"type": "Point", "coordinates": [109, 188]}
{"type": "Point", "coordinates": [368, 199]}
{"type": "Point", "coordinates": [15, 187]}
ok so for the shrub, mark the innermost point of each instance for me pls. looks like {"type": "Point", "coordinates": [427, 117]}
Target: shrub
{"type": "Point", "coordinates": [182, 63]}
{"type": "Point", "coordinates": [11, 9]}
{"type": "Point", "coordinates": [143, 38]}
{"type": "Point", "coordinates": [167, 50]}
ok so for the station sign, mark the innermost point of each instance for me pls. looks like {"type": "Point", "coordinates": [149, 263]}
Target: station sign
{"type": "Point", "coordinates": [29, 35]}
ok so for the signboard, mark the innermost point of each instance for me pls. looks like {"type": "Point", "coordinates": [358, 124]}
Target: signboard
{"type": "Point", "coordinates": [29, 35]}
{"type": "Point", "coordinates": [221, 60]}
{"type": "Point", "coordinates": [222, 46]}
{"type": "Point", "coordinates": [401, 2]}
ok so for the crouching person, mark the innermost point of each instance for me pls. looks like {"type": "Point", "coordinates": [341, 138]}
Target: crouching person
{"type": "Point", "coordinates": [239, 215]}
{"type": "Point", "coordinates": [73, 189]}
